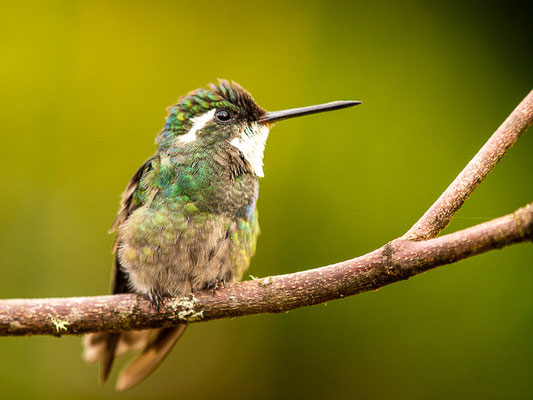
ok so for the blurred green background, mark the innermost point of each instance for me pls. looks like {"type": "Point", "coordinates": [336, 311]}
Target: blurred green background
{"type": "Point", "coordinates": [84, 86]}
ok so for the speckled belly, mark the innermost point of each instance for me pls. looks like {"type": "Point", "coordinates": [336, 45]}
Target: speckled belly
{"type": "Point", "coordinates": [176, 249]}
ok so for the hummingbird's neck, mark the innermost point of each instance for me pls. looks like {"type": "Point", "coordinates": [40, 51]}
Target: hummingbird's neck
{"type": "Point", "coordinates": [217, 179]}
{"type": "Point", "coordinates": [251, 143]}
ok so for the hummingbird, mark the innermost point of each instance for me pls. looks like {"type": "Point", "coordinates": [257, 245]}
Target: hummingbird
{"type": "Point", "coordinates": [188, 218]}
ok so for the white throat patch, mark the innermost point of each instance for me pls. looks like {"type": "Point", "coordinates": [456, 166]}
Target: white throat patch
{"type": "Point", "coordinates": [198, 123]}
{"type": "Point", "coordinates": [251, 143]}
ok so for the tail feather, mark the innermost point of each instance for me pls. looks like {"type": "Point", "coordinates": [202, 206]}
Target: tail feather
{"type": "Point", "coordinates": [152, 356]}
{"type": "Point", "coordinates": [109, 354]}
{"type": "Point", "coordinates": [95, 344]}
{"type": "Point", "coordinates": [156, 344]}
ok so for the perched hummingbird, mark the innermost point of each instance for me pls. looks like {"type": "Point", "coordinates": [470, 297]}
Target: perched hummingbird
{"type": "Point", "coordinates": [188, 217]}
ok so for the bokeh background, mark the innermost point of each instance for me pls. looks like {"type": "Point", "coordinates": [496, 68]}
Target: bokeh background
{"type": "Point", "coordinates": [84, 86]}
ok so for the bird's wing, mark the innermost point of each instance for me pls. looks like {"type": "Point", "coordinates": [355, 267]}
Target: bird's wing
{"type": "Point", "coordinates": [105, 344]}
{"type": "Point", "coordinates": [156, 343]}
{"type": "Point", "coordinates": [127, 206]}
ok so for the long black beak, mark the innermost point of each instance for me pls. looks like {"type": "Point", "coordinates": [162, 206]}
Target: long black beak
{"type": "Point", "coordinates": [276, 116]}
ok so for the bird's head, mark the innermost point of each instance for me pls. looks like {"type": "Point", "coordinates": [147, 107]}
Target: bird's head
{"type": "Point", "coordinates": [227, 114]}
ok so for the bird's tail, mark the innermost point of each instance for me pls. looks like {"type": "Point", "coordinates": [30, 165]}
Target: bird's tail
{"type": "Point", "coordinates": [154, 343]}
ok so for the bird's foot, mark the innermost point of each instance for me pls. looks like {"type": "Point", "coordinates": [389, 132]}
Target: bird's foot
{"type": "Point", "coordinates": [156, 299]}
{"type": "Point", "coordinates": [215, 284]}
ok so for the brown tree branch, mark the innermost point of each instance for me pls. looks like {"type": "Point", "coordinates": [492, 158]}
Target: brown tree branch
{"type": "Point", "coordinates": [442, 211]}
{"type": "Point", "coordinates": [397, 260]}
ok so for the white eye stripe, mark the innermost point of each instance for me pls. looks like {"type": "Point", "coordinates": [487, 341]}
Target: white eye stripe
{"type": "Point", "coordinates": [198, 123]}
{"type": "Point", "coordinates": [251, 142]}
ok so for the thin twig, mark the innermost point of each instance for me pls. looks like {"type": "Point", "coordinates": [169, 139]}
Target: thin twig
{"type": "Point", "coordinates": [442, 211]}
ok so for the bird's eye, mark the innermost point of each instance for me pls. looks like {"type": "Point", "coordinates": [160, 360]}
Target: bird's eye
{"type": "Point", "coordinates": [222, 116]}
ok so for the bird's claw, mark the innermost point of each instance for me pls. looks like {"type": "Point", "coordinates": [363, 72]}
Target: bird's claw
{"type": "Point", "coordinates": [214, 285]}
{"type": "Point", "coordinates": [156, 299]}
